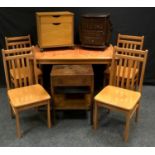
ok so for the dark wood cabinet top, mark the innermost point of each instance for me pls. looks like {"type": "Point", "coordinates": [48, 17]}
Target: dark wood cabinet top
{"type": "Point", "coordinates": [100, 15]}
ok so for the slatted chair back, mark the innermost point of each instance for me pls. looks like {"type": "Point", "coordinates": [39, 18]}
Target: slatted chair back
{"type": "Point", "coordinates": [129, 41]}
{"type": "Point", "coordinates": [18, 42]}
{"type": "Point", "coordinates": [127, 62]}
{"type": "Point", "coordinates": [19, 67]}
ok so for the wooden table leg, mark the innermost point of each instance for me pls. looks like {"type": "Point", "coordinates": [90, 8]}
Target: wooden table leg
{"type": "Point", "coordinates": [48, 115]}
{"type": "Point", "coordinates": [95, 116]}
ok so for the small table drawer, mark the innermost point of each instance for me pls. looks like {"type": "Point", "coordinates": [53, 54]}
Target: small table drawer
{"type": "Point", "coordinates": [72, 75]}
{"type": "Point", "coordinates": [56, 19]}
{"type": "Point", "coordinates": [72, 80]}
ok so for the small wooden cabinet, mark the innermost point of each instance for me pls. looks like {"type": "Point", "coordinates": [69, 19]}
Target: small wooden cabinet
{"type": "Point", "coordinates": [55, 29]}
{"type": "Point", "coordinates": [95, 30]}
{"type": "Point", "coordinates": [72, 87]}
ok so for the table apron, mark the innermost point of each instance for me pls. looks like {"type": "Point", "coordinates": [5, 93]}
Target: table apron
{"type": "Point", "coordinates": [74, 61]}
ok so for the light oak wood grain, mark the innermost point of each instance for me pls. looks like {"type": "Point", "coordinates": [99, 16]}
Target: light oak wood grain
{"type": "Point", "coordinates": [25, 93]}
{"type": "Point", "coordinates": [130, 42]}
{"type": "Point", "coordinates": [118, 97]}
{"type": "Point", "coordinates": [55, 29]}
{"type": "Point", "coordinates": [122, 95]}
{"type": "Point", "coordinates": [28, 95]}
{"type": "Point", "coordinates": [21, 42]}
{"type": "Point", "coordinates": [74, 56]}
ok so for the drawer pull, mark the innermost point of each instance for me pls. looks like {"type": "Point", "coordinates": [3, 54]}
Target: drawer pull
{"type": "Point", "coordinates": [56, 23]}
{"type": "Point", "coordinates": [56, 16]}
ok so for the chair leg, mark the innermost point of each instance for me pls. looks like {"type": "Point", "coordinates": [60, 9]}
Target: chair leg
{"type": "Point", "coordinates": [48, 115]}
{"type": "Point", "coordinates": [54, 116]}
{"type": "Point", "coordinates": [12, 113]}
{"type": "Point", "coordinates": [91, 115]}
{"type": "Point", "coordinates": [106, 79]}
{"type": "Point", "coordinates": [126, 131]}
{"type": "Point", "coordinates": [108, 111]}
{"type": "Point", "coordinates": [40, 80]}
{"type": "Point", "coordinates": [95, 116]}
{"type": "Point", "coordinates": [18, 132]}
{"type": "Point", "coordinates": [11, 110]}
{"type": "Point", "coordinates": [137, 113]}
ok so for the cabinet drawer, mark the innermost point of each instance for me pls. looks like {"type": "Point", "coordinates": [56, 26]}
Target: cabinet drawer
{"type": "Point", "coordinates": [56, 34]}
{"type": "Point", "coordinates": [93, 26]}
{"type": "Point", "coordinates": [56, 19]}
{"type": "Point", "coordinates": [93, 40]}
{"type": "Point", "coordinates": [91, 33]}
{"type": "Point", "coordinates": [77, 80]}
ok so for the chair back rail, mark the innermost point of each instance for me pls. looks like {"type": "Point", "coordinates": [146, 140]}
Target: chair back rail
{"type": "Point", "coordinates": [18, 42]}
{"type": "Point", "coordinates": [19, 67]}
{"type": "Point", "coordinates": [132, 42]}
{"type": "Point", "coordinates": [125, 65]}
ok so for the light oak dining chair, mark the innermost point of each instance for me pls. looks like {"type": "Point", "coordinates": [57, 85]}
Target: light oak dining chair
{"type": "Point", "coordinates": [22, 42]}
{"type": "Point", "coordinates": [120, 95]}
{"type": "Point", "coordinates": [23, 92]}
{"type": "Point", "coordinates": [130, 42]}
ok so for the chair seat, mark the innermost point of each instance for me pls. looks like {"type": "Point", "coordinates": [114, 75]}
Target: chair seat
{"type": "Point", "coordinates": [28, 95]}
{"type": "Point", "coordinates": [118, 97]}
{"type": "Point", "coordinates": [107, 71]}
{"type": "Point", "coordinates": [24, 71]}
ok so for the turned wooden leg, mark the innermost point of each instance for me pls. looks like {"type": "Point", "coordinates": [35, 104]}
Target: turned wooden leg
{"type": "Point", "coordinates": [18, 132]}
{"type": "Point", "coordinates": [95, 116]}
{"type": "Point", "coordinates": [137, 113]}
{"type": "Point", "coordinates": [126, 131]}
{"type": "Point", "coordinates": [48, 115]}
